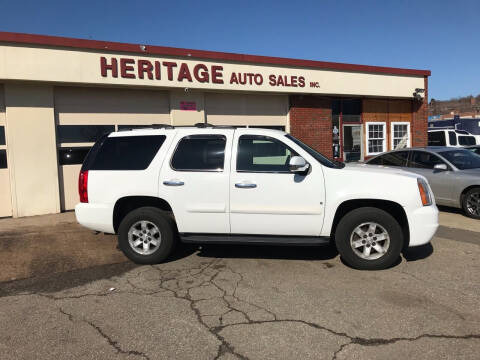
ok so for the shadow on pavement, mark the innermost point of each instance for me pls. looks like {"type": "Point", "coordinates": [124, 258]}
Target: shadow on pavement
{"type": "Point", "coordinates": [418, 252]}
{"type": "Point", "coordinates": [449, 209]}
{"type": "Point", "coordinates": [50, 283]}
{"type": "Point", "coordinates": [268, 252]}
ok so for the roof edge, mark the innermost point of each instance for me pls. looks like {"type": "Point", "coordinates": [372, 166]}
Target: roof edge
{"type": "Point", "coordinates": [58, 41]}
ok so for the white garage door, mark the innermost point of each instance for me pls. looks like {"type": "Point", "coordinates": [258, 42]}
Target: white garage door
{"type": "Point", "coordinates": [5, 195]}
{"type": "Point", "coordinates": [85, 114]}
{"type": "Point", "coordinates": [246, 109]}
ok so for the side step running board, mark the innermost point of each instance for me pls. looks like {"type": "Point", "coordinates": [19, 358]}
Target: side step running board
{"type": "Point", "coordinates": [253, 239]}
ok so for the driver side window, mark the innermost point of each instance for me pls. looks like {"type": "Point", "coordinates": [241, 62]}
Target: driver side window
{"type": "Point", "coordinates": [263, 154]}
{"type": "Point", "coordinates": [424, 160]}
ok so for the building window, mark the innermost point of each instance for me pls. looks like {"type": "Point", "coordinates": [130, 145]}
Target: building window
{"type": "Point", "coordinates": [2, 135]}
{"type": "Point", "coordinates": [375, 138]}
{"type": "Point", "coordinates": [3, 159]}
{"type": "Point", "coordinates": [400, 135]}
{"type": "Point", "coordinates": [82, 133]}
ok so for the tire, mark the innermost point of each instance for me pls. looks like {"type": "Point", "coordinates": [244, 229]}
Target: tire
{"type": "Point", "coordinates": [471, 203]}
{"type": "Point", "coordinates": [386, 227]}
{"type": "Point", "coordinates": [150, 225]}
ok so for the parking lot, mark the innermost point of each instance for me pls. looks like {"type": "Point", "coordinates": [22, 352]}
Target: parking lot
{"type": "Point", "coordinates": [67, 293]}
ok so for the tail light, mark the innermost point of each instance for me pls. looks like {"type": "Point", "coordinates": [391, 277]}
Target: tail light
{"type": "Point", "coordinates": [83, 186]}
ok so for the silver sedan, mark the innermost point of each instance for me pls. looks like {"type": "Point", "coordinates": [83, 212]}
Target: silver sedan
{"type": "Point", "coordinates": [453, 173]}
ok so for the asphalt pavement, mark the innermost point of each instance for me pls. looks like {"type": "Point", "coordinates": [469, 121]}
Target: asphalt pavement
{"type": "Point", "coordinates": [76, 296]}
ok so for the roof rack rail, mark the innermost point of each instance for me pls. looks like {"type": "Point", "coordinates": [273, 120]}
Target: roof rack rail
{"type": "Point", "coordinates": [152, 126]}
{"type": "Point", "coordinates": [163, 126]}
{"type": "Point", "coordinates": [207, 125]}
{"type": "Point", "coordinates": [203, 125]}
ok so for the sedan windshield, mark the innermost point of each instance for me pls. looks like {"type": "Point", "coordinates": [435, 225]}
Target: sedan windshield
{"type": "Point", "coordinates": [462, 159]}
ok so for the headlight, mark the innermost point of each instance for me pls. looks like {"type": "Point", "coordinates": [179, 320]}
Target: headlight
{"type": "Point", "coordinates": [425, 195]}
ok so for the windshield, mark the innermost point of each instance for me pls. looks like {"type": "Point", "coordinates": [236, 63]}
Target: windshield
{"type": "Point", "coordinates": [462, 159]}
{"type": "Point", "coordinates": [315, 154]}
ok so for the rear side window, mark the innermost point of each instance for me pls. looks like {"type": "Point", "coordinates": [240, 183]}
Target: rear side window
{"type": "Point", "coordinates": [123, 153]}
{"type": "Point", "coordinates": [200, 153]}
{"type": "Point", "coordinates": [437, 138]}
{"type": "Point", "coordinates": [466, 140]}
{"type": "Point", "coordinates": [398, 158]}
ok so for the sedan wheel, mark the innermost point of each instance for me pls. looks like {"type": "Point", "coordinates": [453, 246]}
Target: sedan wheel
{"type": "Point", "coordinates": [471, 203]}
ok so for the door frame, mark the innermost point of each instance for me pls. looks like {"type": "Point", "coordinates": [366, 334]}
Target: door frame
{"type": "Point", "coordinates": [362, 150]}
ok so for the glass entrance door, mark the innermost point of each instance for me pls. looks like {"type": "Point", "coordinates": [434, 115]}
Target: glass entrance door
{"type": "Point", "coordinates": [352, 143]}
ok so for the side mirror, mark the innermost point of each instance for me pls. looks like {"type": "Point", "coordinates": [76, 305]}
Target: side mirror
{"type": "Point", "coordinates": [440, 167]}
{"type": "Point", "coordinates": [297, 164]}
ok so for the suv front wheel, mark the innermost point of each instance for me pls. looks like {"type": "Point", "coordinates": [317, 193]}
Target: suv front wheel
{"type": "Point", "coordinates": [146, 235]}
{"type": "Point", "coordinates": [369, 239]}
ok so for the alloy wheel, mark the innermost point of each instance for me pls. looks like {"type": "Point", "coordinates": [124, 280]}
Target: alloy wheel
{"type": "Point", "coordinates": [473, 204]}
{"type": "Point", "coordinates": [369, 241]}
{"type": "Point", "coordinates": [144, 237]}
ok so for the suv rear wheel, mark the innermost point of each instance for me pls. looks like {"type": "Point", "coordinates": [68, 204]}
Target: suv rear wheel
{"type": "Point", "coordinates": [146, 235]}
{"type": "Point", "coordinates": [369, 239]}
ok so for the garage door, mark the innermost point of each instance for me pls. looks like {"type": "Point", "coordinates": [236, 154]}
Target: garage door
{"type": "Point", "coordinates": [5, 195]}
{"type": "Point", "coordinates": [85, 114]}
{"type": "Point", "coordinates": [246, 109]}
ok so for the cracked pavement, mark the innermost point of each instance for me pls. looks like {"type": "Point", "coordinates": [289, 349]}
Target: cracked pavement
{"type": "Point", "coordinates": [234, 302]}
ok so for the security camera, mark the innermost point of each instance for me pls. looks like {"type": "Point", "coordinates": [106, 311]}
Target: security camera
{"type": "Point", "coordinates": [417, 96]}
{"type": "Point", "coordinates": [187, 89]}
{"type": "Point", "coordinates": [419, 90]}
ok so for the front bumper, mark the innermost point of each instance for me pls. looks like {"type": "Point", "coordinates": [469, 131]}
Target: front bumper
{"type": "Point", "coordinates": [96, 217]}
{"type": "Point", "coordinates": [423, 223]}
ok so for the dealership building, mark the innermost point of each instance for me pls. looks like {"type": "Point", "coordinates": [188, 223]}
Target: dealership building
{"type": "Point", "coordinates": [58, 95]}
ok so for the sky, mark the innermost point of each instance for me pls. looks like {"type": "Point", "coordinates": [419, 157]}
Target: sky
{"type": "Point", "coordinates": [438, 35]}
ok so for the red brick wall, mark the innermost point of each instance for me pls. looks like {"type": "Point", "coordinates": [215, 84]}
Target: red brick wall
{"type": "Point", "coordinates": [311, 122]}
{"type": "Point", "coordinates": [420, 119]}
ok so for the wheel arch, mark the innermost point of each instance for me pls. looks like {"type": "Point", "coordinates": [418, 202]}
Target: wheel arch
{"type": "Point", "coordinates": [126, 204]}
{"type": "Point", "coordinates": [467, 189]}
{"type": "Point", "coordinates": [391, 207]}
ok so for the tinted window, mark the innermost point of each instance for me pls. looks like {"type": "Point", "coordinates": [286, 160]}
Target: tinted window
{"type": "Point", "coordinates": [263, 154]}
{"type": "Point", "coordinates": [2, 135]}
{"type": "Point", "coordinates": [82, 133]}
{"type": "Point", "coordinates": [398, 158]}
{"type": "Point", "coordinates": [200, 153]}
{"type": "Point", "coordinates": [452, 138]}
{"type": "Point", "coordinates": [424, 160]}
{"type": "Point", "coordinates": [70, 156]}
{"type": "Point", "coordinates": [123, 153]}
{"type": "Point", "coordinates": [466, 140]}
{"type": "Point", "coordinates": [462, 159]}
{"type": "Point", "coordinates": [436, 138]}
{"type": "Point", "coordinates": [3, 159]}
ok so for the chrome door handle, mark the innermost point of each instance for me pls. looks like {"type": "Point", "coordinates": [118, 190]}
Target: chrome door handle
{"type": "Point", "coordinates": [245, 185]}
{"type": "Point", "coordinates": [173, 182]}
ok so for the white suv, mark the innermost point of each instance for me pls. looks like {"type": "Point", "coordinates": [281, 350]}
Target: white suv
{"type": "Point", "coordinates": [208, 184]}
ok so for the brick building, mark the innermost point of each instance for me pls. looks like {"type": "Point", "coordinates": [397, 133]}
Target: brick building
{"type": "Point", "coordinates": [58, 95]}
